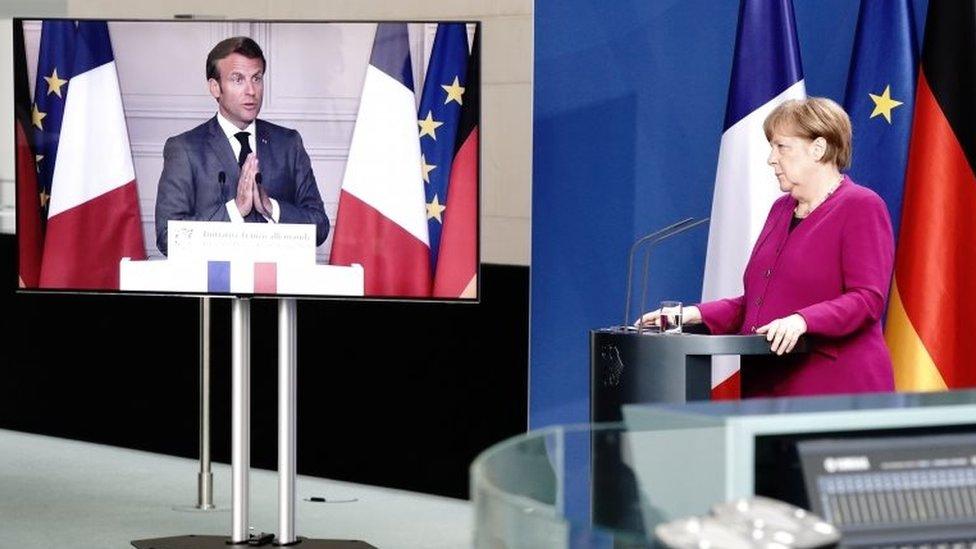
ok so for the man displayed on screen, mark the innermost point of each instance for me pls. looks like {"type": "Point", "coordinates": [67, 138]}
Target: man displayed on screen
{"type": "Point", "coordinates": [235, 167]}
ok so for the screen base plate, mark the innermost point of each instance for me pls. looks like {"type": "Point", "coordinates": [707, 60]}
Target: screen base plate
{"type": "Point", "coordinates": [221, 542]}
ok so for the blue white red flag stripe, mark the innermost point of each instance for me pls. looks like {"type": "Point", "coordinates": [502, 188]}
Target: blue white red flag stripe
{"type": "Point", "coordinates": [766, 61]}
{"type": "Point", "coordinates": [93, 217]}
{"type": "Point", "coordinates": [382, 219]}
{"type": "Point", "coordinates": [391, 53]}
{"type": "Point", "coordinates": [766, 71]}
{"type": "Point", "coordinates": [218, 276]}
{"type": "Point", "coordinates": [265, 278]}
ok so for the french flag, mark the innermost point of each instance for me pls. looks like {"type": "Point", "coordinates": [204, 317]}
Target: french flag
{"type": "Point", "coordinates": [766, 71]}
{"type": "Point", "coordinates": [93, 215]}
{"type": "Point", "coordinates": [382, 218]}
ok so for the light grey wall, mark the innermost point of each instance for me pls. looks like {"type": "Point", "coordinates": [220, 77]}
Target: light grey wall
{"type": "Point", "coordinates": [167, 95]}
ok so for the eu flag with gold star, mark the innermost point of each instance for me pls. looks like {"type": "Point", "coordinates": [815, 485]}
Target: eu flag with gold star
{"type": "Point", "coordinates": [880, 98]}
{"type": "Point", "coordinates": [55, 68]}
{"type": "Point", "coordinates": [438, 116]}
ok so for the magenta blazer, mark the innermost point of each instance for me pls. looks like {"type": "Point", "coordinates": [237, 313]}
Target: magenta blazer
{"type": "Point", "coordinates": [834, 269]}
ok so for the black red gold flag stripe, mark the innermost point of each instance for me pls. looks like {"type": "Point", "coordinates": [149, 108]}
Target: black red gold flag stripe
{"type": "Point", "coordinates": [457, 266]}
{"type": "Point", "coordinates": [933, 304]}
{"type": "Point", "coordinates": [30, 240]}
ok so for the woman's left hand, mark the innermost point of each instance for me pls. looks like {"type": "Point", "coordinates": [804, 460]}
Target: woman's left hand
{"type": "Point", "coordinates": [784, 332]}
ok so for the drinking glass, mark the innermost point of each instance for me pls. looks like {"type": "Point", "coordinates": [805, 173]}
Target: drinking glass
{"type": "Point", "coordinates": [671, 321]}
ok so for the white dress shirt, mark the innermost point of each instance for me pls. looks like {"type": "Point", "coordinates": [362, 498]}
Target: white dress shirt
{"type": "Point", "coordinates": [230, 130]}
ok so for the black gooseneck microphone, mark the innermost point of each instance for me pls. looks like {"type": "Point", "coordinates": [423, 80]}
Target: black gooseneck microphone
{"type": "Point", "coordinates": [651, 240]}
{"type": "Point", "coordinates": [630, 260]}
{"type": "Point", "coordinates": [221, 180]}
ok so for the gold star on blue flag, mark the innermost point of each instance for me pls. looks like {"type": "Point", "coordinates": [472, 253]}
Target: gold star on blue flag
{"type": "Point", "coordinates": [455, 92]}
{"type": "Point", "coordinates": [54, 83]}
{"type": "Point", "coordinates": [435, 209]}
{"type": "Point", "coordinates": [883, 104]}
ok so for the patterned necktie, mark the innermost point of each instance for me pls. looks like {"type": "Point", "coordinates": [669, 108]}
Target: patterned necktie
{"type": "Point", "coordinates": [245, 147]}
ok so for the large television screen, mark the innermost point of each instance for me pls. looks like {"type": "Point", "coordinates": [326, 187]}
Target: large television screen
{"type": "Point", "coordinates": [256, 158]}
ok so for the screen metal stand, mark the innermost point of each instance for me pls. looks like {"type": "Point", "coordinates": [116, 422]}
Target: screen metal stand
{"type": "Point", "coordinates": [240, 443]}
{"type": "Point", "coordinates": [205, 476]}
{"type": "Point", "coordinates": [287, 382]}
{"type": "Point", "coordinates": [240, 452]}
{"type": "Point", "coordinates": [287, 398]}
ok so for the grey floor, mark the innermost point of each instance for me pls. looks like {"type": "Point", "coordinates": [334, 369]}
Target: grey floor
{"type": "Point", "coordinates": [58, 493]}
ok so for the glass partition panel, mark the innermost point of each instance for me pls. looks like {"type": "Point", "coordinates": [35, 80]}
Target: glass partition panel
{"type": "Point", "coordinates": [593, 486]}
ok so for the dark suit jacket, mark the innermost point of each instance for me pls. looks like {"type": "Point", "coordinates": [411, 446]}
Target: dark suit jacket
{"type": "Point", "coordinates": [190, 186]}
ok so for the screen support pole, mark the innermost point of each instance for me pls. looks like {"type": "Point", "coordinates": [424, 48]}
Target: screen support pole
{"type": "Point", "coordinates": [240, 417]}
{"type": "Point", "coordinates": [240, 441]}
{"type": "Point", "coordinates": [205, 477]}
{"type": "Point", "coordinates": [287, 383]}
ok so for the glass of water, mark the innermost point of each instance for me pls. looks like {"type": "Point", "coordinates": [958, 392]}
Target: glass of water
{"type": "Point", "coordinates": [671, 321]}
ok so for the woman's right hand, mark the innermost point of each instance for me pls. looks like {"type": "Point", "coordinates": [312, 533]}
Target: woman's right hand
{"type": "Point", "coordinates": [689, 315]}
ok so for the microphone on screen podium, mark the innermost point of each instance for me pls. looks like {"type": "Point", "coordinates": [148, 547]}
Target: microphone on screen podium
{"type": "Point", "coordinates": [222, 180]}
{"type": "Point", "coordinates": [651, 240]}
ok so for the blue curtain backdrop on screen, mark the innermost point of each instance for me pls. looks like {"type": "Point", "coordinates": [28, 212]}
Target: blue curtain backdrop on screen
{"type": "Point", "coordinates": [628, 112]}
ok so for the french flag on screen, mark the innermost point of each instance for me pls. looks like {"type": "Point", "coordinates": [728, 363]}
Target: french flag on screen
{"type": "Point", "coordinates": [766, 71]}
{"type": "Point", "coordinates": [382, 218]}
{"type": "Point", "coordinates": [93, 215]}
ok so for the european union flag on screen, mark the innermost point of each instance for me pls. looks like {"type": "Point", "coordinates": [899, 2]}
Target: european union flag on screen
{"type": "Point", "coordinates": [880, 98]}
{"type": "Point", "coordinates": [55, 68]}
{"type": "Point", "coordinates": [440, 108]}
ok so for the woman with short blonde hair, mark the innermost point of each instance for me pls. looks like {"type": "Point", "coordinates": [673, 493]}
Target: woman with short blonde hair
{"type": "Point", "coordinates": [821, 266]}
{"type": "Point", "coordinates": [812, 118]}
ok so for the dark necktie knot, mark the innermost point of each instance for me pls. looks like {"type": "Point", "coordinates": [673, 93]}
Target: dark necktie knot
{"type": "Point", "coordinates": [245, 146]}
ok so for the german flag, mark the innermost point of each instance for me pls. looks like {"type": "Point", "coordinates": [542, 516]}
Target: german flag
{"type": "Point", "coordinates": [457, 266]}
{"type": "Point", "coordinates": [30, 236]}
{"type": "Point", "coordinates": [933, 303]}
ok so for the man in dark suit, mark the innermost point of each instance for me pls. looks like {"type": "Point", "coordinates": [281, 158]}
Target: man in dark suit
{"type": "Point", "coordinates": [213, 172]}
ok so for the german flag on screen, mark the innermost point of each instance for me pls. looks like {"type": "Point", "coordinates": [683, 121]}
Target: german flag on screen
{"type": "Point", "coordinates": [30, 229]}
